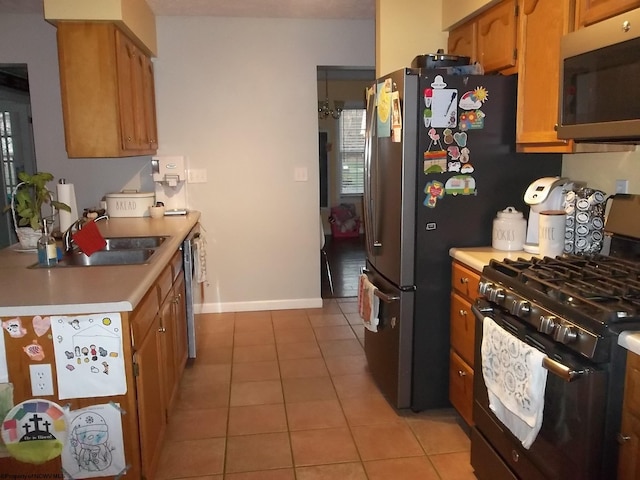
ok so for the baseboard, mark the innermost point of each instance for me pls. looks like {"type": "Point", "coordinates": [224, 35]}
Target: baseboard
{"type": "Point", "coordinates": [285, 304]}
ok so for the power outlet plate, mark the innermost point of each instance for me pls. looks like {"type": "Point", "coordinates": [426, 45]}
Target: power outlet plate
{"type": "Point", "coordinates": [41, 379]}
{"type": "Point", "coordinates": [197, 175]}
{"type": "Point", "coordinates": [622, 186]}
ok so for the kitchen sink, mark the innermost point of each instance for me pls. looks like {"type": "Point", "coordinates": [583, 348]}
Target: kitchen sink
{"type": "Point", "coordinates": [118, 251]}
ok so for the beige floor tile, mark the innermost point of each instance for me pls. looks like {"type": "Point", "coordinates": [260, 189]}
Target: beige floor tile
{"type": "Point", "coordinates": [214, 322]}
{"type": "Point", "coordinates": [290, 351]}
{"type": "Point", "coordinates": [188, 424]}
{"type": "Point", "coordinates": [315, 414]}
{"type": "Point", "coordinates": [337, 348]}
{"type": "Point", "coordinates": [256, 393]}
{"type": "Point", "coordinates": [413, 468]}
{"type": "Point", "coordinates": [336, 332]}
{"type": "Point", "coordinates": [248, 316]}
{"type": "Point", "coordinates": [328, 319]}
{"type": "Point", "coordinates": [295, 335]}
{"type": "Point", "coordinates": [349, 307]}
{"type": "Point", "coordinates": [202, 396]}
{"type": "Point", "coordinates": [213, 355]}
{"type": "Point", "coordinates": [440, 434]}
{"type": "Point", "coordinates": [206, 374]}
{"type": "Point", "coordinates": [369, 410]}
{"type": "Point", "coordinates": [255, 371]}
{"type": "Point", "coordinates": [248, 453]}
{"type": "Point", "coordinates": [329, 307]}
{"type": "Point", "coordinates": [291, 321]}
{"type": "Point", "coordinates": [453, 466]}
{"type": "Point", "coordinates": [214, 339]}
{"type": "Point", "coordinates": [245, 339]}
{"type": "Point", "coordinates": [341, 471]}
{"type": "Point", "coordinates": [257, 419]}
{"type": "Point", "coordinates": [303, 367]}
{"type": "Point", "coordinates": [260, 323]}
{"type": "Point", "coordinates": [319, 447]}
{"type": "Point", "coordinates": [191, 458]}
{"type": "Point", "coordinates": [389, 440]}
{"type": "Point", "coordinates": [356, 385]}
{"type": "Point", "coordinates": [347, 364]}
{"type": "Point", "coordinates": [353, 318]}
{"type": "Point", "coordinates": [308, 389]}
{"type": "Point", "coordinates": [280, 474]}
{"type": "Point", "coordinates": [254, 353]}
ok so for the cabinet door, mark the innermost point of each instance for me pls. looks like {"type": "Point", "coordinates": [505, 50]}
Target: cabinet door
{"type": "Point", "coordinates": [538, 71]}
{"type": "Point", "coordinates": [168, 350]}
{"type": "Point", "coordinates": [462, 41]}
{"type": "Point", "coordinates": [126, 54]}
{"type": "Point", "coordinates": [150, 135]}
{"type": "Point", "coordinates": [462, 328]}
{"type": "Point", "coordinates": [151, 406]}
{"type": "Point", "coordinates": [461, 387]}
{"type": "Point", "coordinates": [497, 29]}
{"type": "Point", "coordinates": [592, 11]}
{"type": "Point", "coordinates": [465, 281]}
{"type": "Point", "coordinates": [629, 455]}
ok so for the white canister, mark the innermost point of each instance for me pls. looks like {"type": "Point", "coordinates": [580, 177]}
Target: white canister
{"type": "Point", "coordinates": [551, 232]}
{"type": "Point", "coordinates": [509, 230]}
{"type": "Point", "coordinates": [129, 203]}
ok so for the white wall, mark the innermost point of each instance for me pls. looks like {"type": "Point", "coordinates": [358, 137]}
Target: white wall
{"type": "Point", "coordinates": [601, 170]}
{"type": "Point", "coordinates": [238, 97]}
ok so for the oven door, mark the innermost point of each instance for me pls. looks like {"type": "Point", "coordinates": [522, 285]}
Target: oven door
{"type": "Point", "coordinates": [570, 442]}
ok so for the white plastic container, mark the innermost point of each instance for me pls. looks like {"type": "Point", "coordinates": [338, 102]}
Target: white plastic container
{"type": "Point", "coordinates": [509, 230]}
{"type": "Point", "coordinates": [129, 203]}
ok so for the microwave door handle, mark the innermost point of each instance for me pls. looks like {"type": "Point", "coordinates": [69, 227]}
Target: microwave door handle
{"type": "Point", "coordinates": [562, 371]}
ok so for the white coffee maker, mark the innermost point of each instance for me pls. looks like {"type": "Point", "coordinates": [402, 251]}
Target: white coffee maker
{"type": "Point", "coordinates": [546, 193]}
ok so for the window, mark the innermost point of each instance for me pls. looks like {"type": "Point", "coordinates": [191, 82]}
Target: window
{"type": "Point", "coordinates": [7, 154]}
{"type": "Point", "coordinates": [352, 151]}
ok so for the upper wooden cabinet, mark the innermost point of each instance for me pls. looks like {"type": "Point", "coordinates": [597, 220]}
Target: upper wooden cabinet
{"type": "Point", "coordinates": [592, 11]}
{"type": "Point", "coordinates": [542, 24]}
{"type": "Point", "coordinates": [107, 89]}
{"type": "Point", "coordinates": [490, 38]}
{"type": "Point", "coordinates": [463, 41]}
{"type": "Point", "coordinates": [497, 37]}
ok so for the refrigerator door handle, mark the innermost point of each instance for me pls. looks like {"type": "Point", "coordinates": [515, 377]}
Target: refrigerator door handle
{"type": "Point", "coordinates": [370, 194]}
{"type": "Point", "coordinates": [385, 297]}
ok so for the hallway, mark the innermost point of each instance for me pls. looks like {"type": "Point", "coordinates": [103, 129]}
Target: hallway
{"type": "Point", "coordinates": [346, 258]}
{"type": "Point", "coordinates": [285, 395]}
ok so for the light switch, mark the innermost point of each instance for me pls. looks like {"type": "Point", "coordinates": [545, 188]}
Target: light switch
{"type": "Point", "coordinates": [301, 174]}
{"type": "Point", "coordinates": [197, 175]}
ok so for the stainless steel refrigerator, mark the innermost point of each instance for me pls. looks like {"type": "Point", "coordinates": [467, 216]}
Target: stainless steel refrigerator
{"type": "Point", "coordinates": [440, 163]}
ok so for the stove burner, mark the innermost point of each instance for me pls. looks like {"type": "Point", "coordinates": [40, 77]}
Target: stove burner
{"type": "Point", "coordinates": [605, 289]}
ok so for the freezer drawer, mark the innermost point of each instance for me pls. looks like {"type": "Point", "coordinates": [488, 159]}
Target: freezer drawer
{"type": "Point", "coordinates": [389, 350]}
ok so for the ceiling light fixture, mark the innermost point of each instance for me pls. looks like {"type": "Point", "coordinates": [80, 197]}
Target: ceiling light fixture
{"type": "Point", "coordinates": [324, 109]}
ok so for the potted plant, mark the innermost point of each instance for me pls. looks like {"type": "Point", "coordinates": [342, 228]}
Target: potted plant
{"type": "Point", "coordinates": [26, 204]}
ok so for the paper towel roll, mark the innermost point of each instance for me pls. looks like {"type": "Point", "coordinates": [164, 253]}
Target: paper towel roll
{"type": "Point", "coordinates": [551, 230]}
{"type": "Point", "coordinates": [66, 194]}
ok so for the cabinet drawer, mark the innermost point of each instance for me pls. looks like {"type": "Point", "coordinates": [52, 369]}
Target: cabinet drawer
{"type": "Point", "coordinates": [144, 314]}
{"type": "Point", "coordinates": [176, 265]}
{"type": "Point", "coordinates": [461, 387]}
{"type": "Point", "coordinates": [462, 328]}
{"type": "Point", "coordinates": [465, 281]}
{"type": "Point", "coordinates": [164, 282]}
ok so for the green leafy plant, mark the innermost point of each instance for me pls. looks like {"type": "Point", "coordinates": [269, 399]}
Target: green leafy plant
{"type": "Point", "coordinates": [31, 193]}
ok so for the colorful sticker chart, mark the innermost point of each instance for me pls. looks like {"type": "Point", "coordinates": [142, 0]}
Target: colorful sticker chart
{"type": "Point", "coordinates": [35, 431]}
{"type": "Point", "coordinates": [89, 355]}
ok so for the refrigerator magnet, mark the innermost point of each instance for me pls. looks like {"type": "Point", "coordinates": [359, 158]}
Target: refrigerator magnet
{"type": "Point", "coordinates": [471, 120]}
{"type": "Point", "coordinates": [435, 158]}
{"type": "Point", "coordinates": [434, 191]}
{"type": "Point", "coordinates": [447, 136]}
{"type": "Point", "coordinates": [474, 99]}
{"type": "Point", "coordinates": [460, 139]}
{"type": "Point", "coordinates": [460, 185]}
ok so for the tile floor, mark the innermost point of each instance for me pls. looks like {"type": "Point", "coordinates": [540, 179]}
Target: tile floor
{"type": "Point", "coordinates": [286, 395]}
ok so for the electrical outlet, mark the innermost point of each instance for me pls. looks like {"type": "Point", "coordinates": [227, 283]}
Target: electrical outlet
{"type": "Point", "coordinates": [622, 186]}
{"type": "Point", "coordinates": [41, 380]}
{"type": "Point", "coordinates": [197, 175]}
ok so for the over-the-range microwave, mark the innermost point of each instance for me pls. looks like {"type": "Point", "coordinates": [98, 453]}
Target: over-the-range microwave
{"type": "Point", "coordinates": [600, 81]}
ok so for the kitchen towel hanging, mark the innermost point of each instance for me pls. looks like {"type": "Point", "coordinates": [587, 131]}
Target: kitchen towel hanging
{"type": "Point", "coordinates": [368, 303]}
{"type": "Point", "coordinates": [65, 193]}
{"type": "Point", "coordinates": [515, 380]}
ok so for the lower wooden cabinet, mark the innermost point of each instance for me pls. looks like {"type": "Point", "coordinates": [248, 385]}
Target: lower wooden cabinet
{"type": "Point", "coordinates": [629, 456]}
{"type": "Point", "coordinates": [461, 387]}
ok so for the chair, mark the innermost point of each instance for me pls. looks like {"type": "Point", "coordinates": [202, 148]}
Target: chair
{"type": "Point", "coordinates": [324, 255]}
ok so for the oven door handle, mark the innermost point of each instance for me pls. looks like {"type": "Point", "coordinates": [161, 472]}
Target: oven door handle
{"type": "Point", "coordinates": [562, 371]}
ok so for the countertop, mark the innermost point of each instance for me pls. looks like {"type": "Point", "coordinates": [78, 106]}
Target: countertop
{"type": "Point", "coordinates": [477, 257]}
{"type": "Point", "coordinates": [79, 290]}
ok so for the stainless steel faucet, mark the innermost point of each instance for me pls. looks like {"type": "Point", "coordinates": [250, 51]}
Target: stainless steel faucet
{"type": "Point", "coordinates": [67, 239]}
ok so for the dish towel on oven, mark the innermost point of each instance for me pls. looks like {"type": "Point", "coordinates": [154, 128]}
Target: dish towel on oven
{"type": "Point", "coordinates": [368, 303]}
{"type": "Point", "coordinates": [515, 380]}
{"type": "Point", "coordinates": [200, 258]}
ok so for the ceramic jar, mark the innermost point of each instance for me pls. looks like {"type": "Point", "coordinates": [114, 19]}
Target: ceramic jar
{"type": "Point", "coordinates": [509, 230]}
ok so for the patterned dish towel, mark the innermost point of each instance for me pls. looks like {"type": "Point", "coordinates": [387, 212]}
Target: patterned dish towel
{"type": "Point", "coordinates": [368, 303]}
{"type": "Point", "coordinates": [515, 380]}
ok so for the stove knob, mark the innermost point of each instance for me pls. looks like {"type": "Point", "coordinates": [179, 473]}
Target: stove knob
{"type": "Point", "coordinates": [497, 295]}
{"type": "Point", "coordinates": [520, 308]}
{"type": "Point", "coordinates": [564, 334]}
{"type": "Point", "coordinates": [547, 324]}
{"type": "Point", "coordinates": [484, 288]}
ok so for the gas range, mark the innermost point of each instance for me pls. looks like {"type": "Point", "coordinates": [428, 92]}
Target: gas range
{"type": "Point", "coordinates": [579, 301]}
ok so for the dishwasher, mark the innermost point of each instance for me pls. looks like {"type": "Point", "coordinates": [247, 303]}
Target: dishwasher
{"type": "Point", "coordinates": [193, 264]}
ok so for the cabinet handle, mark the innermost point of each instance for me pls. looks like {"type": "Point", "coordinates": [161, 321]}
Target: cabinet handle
{"type": "Point", "coordinates": [463, 313]}
{"type": "Point", "coordinates": [464, 280]}
{"type": "Point", "coordinates": [162, 329]}
{"type": "Point", "coordinates": [462, 373]}
{"type": "Point", "coordinates": [622, 438]}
